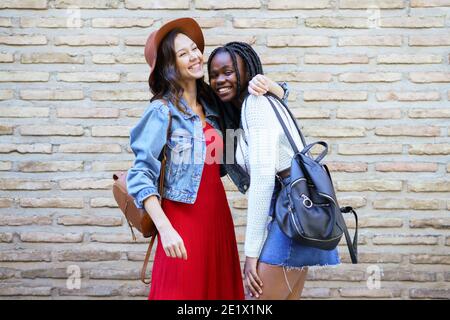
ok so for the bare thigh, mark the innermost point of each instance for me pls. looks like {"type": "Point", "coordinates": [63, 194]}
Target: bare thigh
{"type": "Point", "coordinates": [275, 286]}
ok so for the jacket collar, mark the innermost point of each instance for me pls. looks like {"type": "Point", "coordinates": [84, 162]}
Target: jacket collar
{"type": "Point", "coordinates": [188, 113]}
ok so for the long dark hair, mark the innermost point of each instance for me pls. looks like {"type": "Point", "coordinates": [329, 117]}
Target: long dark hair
{"type": "Point", "coordinates": [165, 79]}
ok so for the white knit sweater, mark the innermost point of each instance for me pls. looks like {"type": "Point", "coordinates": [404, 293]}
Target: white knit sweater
{"type": "Point", "coordinates": [264, 152]}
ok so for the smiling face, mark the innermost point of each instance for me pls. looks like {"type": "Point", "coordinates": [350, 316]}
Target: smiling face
{"type": "Point", "coordinates": [189, 58]}
{"type": "Point", "coordinates": [223, 78]}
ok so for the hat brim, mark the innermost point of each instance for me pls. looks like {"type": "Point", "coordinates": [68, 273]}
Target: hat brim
{"type": "Point", "coordinates": [188, 26]}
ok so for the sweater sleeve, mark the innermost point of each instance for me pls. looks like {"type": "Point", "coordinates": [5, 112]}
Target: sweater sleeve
{"type": "Point", "coordinates": [262, 151]}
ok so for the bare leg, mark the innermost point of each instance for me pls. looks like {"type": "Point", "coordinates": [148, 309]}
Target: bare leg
{"type": "Point", "coordinates": [275, 286]}
{"type": "Point", "coordinates": [298, 288]}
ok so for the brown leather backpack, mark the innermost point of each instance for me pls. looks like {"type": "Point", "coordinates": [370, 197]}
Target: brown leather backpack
{"type": "Point", "coordinates": [139, 218]}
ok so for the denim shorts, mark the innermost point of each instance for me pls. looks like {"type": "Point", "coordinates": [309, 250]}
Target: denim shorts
{"type": "Point", "coordinates": [280, 250]}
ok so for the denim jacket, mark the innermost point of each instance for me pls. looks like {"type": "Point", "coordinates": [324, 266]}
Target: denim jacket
{"type": "Point", "coordinates": [186, 152]}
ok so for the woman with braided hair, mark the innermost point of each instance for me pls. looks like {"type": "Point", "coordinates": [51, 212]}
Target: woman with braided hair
{"type": "Point", "coordinates": [275, 265]}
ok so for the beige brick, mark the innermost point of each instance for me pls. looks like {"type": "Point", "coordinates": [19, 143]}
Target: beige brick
{"type": "Point", "coordinates": [324, 95]}
{"type": "Point", "coordinates": [206, 23]}
{"type": "Point", "coordinates": [408, 203]}
{"type": "Point", "coordinates": [23, 4]}
{"type": "Point", "coordinates": [7, 273]}
{"type": "Point", "coordinates": [379, 257]}
{"type": "Point", "coordinates": [353, 201]}
{"type": "Point", "coordinates": [383, 41]}
{"type": "Point", "coordinates": [367, 293]}
{"type": "Point", "coordinates": [51, 237]}
{"type": "Point", "coordinates": [298, 4]}
{"type": "Point", "coordinates": [23, 112]}
{"type": "Point", "coordinates": [17, 220]}
{"type": "Point", "coordinates": [5, 165]}
{"type": "Point", "coordinates": [335, 59]}
{"type": "Point", "coordinates": [136, 77]}
{"type": "Point", "coordinates": [429, 259]}
{"type": "Point", "coordinates": [87, 112]}
{"type": "Point", "coordinates": [409, 58]}
{"type": "Point", "coordinates": [240, 203]}
{"type": "Point", "coordinates": [44, 130]}
{"type": "Point", "coordinates": [429, 186]}
{"type": "Point", "coordinates": [111, 165]}
{"type": "Point", "coordinates": [337, 22]}
{"type": "Point", "coordinates": [416, 131]}
{"type": "Point", "coordinates": [298, 41]}
{"type": "Point", "coordinates": [85, 184]}
{"type": "Point", "coordinates": [103, 203]}
{"type": "Point", "coordinates": [429, 77]}
{"type": "Point", "coordinates": [135, 41]}
{"type": "Point", "coordinates": [301, 76]}
{"type": "Point", "coordinates": [17, 291]}
{"type": "Point", "coordinates": [111, 131]}
{"type": "Point", "coordinates": [429, 293]}
{"type": "Point", "coordinates": [157, 4]}
{"type": "Point", "coordinates": [429, 3]}
{"type": "Point", "coordinates": [131, 59]}
{"type": "Point", "coordinates": [370, 4]}
{"type": "Point", "coordinates": [319, 293]}
{"type": "Point", "coordinates": [6, 57]}
{"type": "Point", "coordinates": [320, 131]}
{"type": "Point", "coordinates": [89, 148]}
{"type": "Point", "coordinates": [272, 58]}
{"type": "Point", "coordinates": [347, 166]}
{"type": "Point", "coordinates": [91, 291]}
{"type": "Point", "coordinates": [51, 203]}
{"type": "Point", "coordinates": [229, 4]}
{"type": "Point", "coordinates": [355, 77]}
{"type": "Point", "coordinates": [280, 23]}
{"type": "Point", "coordinates": [429, 113]}
{"type": "Point", "coordinates": [103, 59]}
{"type": "Point", "coordinates": [51, 94]}
{"type": "Point", "coordinates": [23, 40]}
{"type": "Point", "coordinates": [303, 113]}
{"type": "Point", "coordinates": [369, 148]}
{"type": "Point", "coordinates": [408, 96]}
{"type": "Point", "coordinates": [228, 184]}
{"type": "Point", "coordinates": [89, 76]}
{"type": "Point", "coordinates": [120, 95]}
{"type": "Point", "coordinates": [88, 4]}
{"type": "Point", "coordinates": [219, 40]}
{"type": "Point", "coordinates": [52, 57]}
{"type": "Point", "coordinates": [436, 223]}
{"type": "Point", "coordinates": [121, 22]}
{"type": "Point", "coordinates": [17, 184]}
{"type": "Point", "coordinates": [6, 94]}
{"type": "Point", "coordinates": [50, 166]}
{"type": "Point", "coordinates": [52, 273]}
{"type": "Point", "coordinates": [429, 40]}
{"type": "Point", "coordinates": [408, 275]}
{"type": "Point", "coordinates": [5, 129]}
{"type": "Point", "coordinates": [6, 203]}
{"type": "Point", "coordinates": [323, 274]}
{"type": "Point", "coordinates": [87, 255]}
{"type": "Point", "coordinates": [117, 238]}
{"type": "Point", "coordinates": [116, 274]}
{"type": "Point", "coordinates": [5, 22]}
{"type": "Point", "coordinates": [23, 76]}
{"type": "Point", "coordinates": [86, 40]}
{"type": "Point", "coordinates": [429, 149]}
{"type": "Point", "coordinates": [50, 22]}
{"type": "Point", "coordinates": [412, 22]}
{"type": "Point", "coordinates": [406, 167]}
{"type": "Point", "coordinates": [379, 113]}
{"type": "Point", "coordinates": [20, 255]}
{"type": "Point", "coordinates": [6, 237]}
{"type": "Point", "coordinates": [410, 240]}
{"type": "Point", "coordinates": [369, 185]}
{"type": "Point", "coordinates": [26, 148]}
{"type": "Point", "coordinates": [90, 220]}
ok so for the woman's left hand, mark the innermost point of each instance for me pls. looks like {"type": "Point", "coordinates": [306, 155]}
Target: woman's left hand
{"type": "Point", "coordinates": [252, 280]}
{"type": "Point", "coordinates": [259, 85]}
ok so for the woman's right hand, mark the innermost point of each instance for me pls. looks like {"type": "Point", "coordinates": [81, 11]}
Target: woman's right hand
{"type": "Point", "coordinates": [172, 243]}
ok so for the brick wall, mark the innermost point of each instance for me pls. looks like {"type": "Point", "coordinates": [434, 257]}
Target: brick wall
{"type": "Point", "coordinates": [370, 77]}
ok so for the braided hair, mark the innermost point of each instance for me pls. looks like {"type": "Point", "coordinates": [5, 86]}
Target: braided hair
{"type": "Point", "coordinates": [248, 55]}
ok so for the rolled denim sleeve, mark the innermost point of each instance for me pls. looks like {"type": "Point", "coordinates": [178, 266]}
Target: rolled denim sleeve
{"type": "Point", "coordinates": [147, 139]}
{"type": "Point", "coordinates": [285, 88]}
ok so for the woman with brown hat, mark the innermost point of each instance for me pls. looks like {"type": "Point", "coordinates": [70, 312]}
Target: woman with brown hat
{"type": "Point", "coordinates": [196, 255]}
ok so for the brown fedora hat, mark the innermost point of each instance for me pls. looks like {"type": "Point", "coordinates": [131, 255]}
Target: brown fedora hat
{"type": "Point", "coordinates": [188, 25]}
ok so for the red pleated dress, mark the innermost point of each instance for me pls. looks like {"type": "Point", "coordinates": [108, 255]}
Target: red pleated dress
{"type": "Point", "coordinates": [212, 270]}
